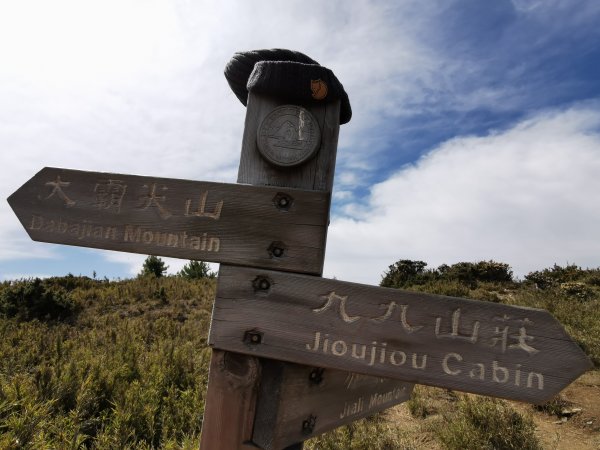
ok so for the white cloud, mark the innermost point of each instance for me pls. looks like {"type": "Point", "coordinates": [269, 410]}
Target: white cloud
{"type": "Point", "coordinates": [527, 196]}
{"type": "Point", "coordinates": [131, 87]}
{"type": "Point", "coordinates": [570, 13]}
{"type": "Point", "coordinates": [526, 5]}
{"type": "Point", "coordinates": [340, 195]}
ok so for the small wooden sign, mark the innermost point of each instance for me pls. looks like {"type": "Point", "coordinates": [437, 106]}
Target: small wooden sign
{"type": "Point", "coordinates": [267, 227]}
{"type": "Point", "coordinates": [313, 400]}
{"type": "Point", "coordinates": [474, 346]}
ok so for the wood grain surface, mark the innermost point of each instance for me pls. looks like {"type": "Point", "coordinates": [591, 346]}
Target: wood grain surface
{"type": "Point", "coordinates": [474, 346]}
{"type": "Point", "coordinates": [232, 395]}
{"type": "Point", "coordinates": [312, 400]}
{"type": "Point", "coordinates": [269, 227]}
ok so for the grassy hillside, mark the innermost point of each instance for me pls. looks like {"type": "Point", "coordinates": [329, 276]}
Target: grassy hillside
{"type": "Point", "coordinates": [123, 364]}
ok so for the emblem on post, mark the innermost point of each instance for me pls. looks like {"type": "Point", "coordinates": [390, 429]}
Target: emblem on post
{"type": "Point", "coordinates": [288, 136]}
{"type": "Point", "coordinates": [319, 89]}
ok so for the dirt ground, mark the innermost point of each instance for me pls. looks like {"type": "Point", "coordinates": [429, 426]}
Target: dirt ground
{"type": "Point", "coordinates": [579, 428]}
{"type": "Point", "coordinates": [575, 426]}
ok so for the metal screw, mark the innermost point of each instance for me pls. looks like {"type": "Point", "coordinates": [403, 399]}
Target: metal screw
{"type": "Point", "coordinates": [261, 283]}
{"type": "Point", "coordinates": [316, 376]}
{"type": "Point", "coordinates": [253, 337]}
{"type": "Point", "coordinates": [283, 201]}
{"type": "Point", "coordinates": [276, 249]}
{"type": "Point", "coordinates": [308, 425]}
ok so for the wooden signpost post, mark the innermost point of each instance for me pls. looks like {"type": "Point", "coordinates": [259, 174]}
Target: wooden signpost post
{"type": "Point", "coordinates": [361, 346]}
{"type": "Point", "coordinates": [267, 397]}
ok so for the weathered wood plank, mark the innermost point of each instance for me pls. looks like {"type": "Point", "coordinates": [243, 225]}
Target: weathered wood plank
{"type": "Point", "coordinates": [474, 346]}
{"type": "Point", "coordinates": [248, 225]}
{"type": "Point", "coordinates": [232, 378]}
{"type": "Point", "coordinates": [311, 401]}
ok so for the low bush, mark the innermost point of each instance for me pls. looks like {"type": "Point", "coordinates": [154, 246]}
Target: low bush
{"type": "Point", "coordinates": [373, 433]}
{"type": "Point", "coordinates": [153, 267]}
{"type": "Point", "coordinates": [124, 373]}
{"type": "Point", "coordinates": [408, 274]}
{"type": "Point", "coordinates": [36, 299]}
{"type": "Point", "coordinates": [556, 275]}
{"type": "Point", "coordinates": [554, 407]}
{"type": "Point", "coordinates": [194, 270]}
{"type": "Point", "coordinates": [484, 423]}
{"type": "Point", "coordinates": [422, 402]}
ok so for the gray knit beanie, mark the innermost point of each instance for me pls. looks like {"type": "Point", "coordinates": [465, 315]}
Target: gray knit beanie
{"type": "Point", "coordinates": [286, 74]}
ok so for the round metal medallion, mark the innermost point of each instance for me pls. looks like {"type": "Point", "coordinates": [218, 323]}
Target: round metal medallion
{"type": "Point", "coordinates": [288, 136]}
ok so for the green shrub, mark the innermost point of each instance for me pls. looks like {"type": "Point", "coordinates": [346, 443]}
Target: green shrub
{"type": "Point", "coordinates": [471, 273]}
{"type": "Point", "coordinates": [373, 433]}
{"type": "Point", "coordinates": [153, 266]}
{"type": "Point", "coordinates": [577, 290]}
{"type": "Point", "coordinates": [592, 277]}
{"type": "Point", "coordinates": [421, 403]}
{"type": "Point", "coordinates": [36, 299]}
{"type": "Point", "coordinates": [403, 273]}
{"type": "Point", "coordinates": [71, 282]}
{"type": "Point", "coordinates": [451, 288]}
{"type": "Point", "coordinates": [129, 371]}
{"type": "Point", "coordinates": [484, 423]}
{"type": "Point", "coordinates": [195, 270]}
{"type": "Point", "coordinates": [161, 294]}
{"type": "Point", "coordinates": [407, 273]}
{"type": "Point", "coordinates": [554, 407]}
{"type": "Point", "coordinates": [555, 275]}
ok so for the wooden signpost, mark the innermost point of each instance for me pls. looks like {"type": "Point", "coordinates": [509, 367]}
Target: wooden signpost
{"type": "Point", "coordinates": [473, 346]}
{"type": "Point", "coordinates": [264, 398]}
{"type": "Point", "coordinates": [361, 346]}
{"type": "Point", "coordinates": [282, 229]}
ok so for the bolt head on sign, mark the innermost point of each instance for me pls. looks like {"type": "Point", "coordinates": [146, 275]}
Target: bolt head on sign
{"type": "Point", "coordinates": [288, 136]}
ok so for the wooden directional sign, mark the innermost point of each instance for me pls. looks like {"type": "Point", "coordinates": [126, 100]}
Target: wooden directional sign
{"type": "Point", "coordinates": [277, 228]}
{"type": "Point", "coordinates": [474, 346]}
{"type": "Point", "coordinates": [313, 400]}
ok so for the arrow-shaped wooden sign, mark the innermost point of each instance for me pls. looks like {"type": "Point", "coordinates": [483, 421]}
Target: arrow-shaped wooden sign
{"type": "Point", "coordinates": [277, 228]}
{"type": "Point", "coordinates": [314, 400]}
{"type": "Point", "coordinates": [474, 346]}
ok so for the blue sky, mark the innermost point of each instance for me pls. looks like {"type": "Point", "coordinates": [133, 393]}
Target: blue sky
{"type": "Point", "coordinates": [475, 134]}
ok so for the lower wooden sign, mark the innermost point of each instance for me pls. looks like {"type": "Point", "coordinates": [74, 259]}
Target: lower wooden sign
{"type": "Point", "coordinates": [474, 346]}
{"type": "Point", "coordinates": [314, 400]}
{"type": "Point", "coordinates": [277, 228]}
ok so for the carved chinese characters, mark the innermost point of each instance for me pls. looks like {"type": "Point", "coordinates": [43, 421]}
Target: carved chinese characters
{"type": "Point", "coordinates": [109, 194]}
{"type": "Point", "coordinates": [481, 347]}
{"type": "Point", "coordinates": [57, 188]}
